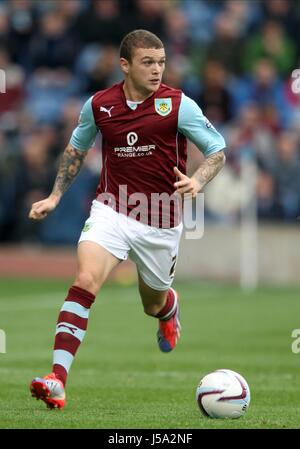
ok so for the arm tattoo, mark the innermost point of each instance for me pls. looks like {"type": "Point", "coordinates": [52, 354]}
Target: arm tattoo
{"type": "Point", "coordinates": [69, 168]}
{"type": "Point", "coordinates": [210, 168]}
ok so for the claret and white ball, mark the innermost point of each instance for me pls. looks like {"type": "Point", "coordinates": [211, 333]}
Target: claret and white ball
{"type": "Point", "coordinates": [223, 394]}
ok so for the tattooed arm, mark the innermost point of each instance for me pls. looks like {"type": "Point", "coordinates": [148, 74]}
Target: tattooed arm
{"type": "Point", "coordinates": [205, 173]}
{"type": "Point", "coordinates": [69, 168]}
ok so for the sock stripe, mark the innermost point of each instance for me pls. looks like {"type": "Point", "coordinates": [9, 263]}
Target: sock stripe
{"type": "Point", "coordinates": [66, 343]}
{"type": "Point", "coordinates": [77, 309]}
{"type": "Point", "coordinates": [60, 373]}
{"type": "Point", "coordinates": [82, 301]}
{"type": "Point", "coordinates": [170, 307]}
{"type": "Point", "coordinates": [171, 313]}
{"type": "Point", "coordinates": [63, 358]}
{"type": "Point", "coordinates": [70, 317]}
{"type": "Point", "coordinates": [83, 294]}
{"type": "Point", "coordinates": [71, 329]}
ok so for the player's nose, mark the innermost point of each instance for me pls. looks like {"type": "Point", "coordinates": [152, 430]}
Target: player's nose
{"type": "Point", "coordinates": [156, 68]}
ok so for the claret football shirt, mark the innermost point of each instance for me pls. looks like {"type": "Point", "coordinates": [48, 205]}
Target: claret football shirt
{"type": "Point", "coordinates": [141, 143]}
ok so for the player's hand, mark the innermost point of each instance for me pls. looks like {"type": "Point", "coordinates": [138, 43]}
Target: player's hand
{"type": "Point", "coordinates": [186, 185]}
{"type": "Point", "coordinates": [41, 209]}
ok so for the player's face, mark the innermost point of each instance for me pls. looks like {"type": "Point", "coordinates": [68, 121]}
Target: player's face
{"type": "Point", "coordinates": [146, 69]}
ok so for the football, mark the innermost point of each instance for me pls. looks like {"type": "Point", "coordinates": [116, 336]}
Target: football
{"type": "Point", "coordinates": [223, 394]}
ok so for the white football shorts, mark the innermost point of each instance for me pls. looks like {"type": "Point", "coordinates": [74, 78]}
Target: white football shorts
{"type": "Point", "coordinates": [153, 250]}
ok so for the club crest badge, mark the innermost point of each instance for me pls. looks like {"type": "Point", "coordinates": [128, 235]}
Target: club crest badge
{"type": "Point", "coordinates": [163, 106]}
{"type": "Point", "coordinates": [86, 227]}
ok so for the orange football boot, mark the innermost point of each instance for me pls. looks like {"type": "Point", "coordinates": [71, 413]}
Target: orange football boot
{"type": "Point", "coordinates": [50, 390]}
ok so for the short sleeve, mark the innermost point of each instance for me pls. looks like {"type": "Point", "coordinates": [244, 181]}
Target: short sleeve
{"type": "Point", "coordinates": [197, 128]}
{"type": "Point", "coordinates": [84, 135]}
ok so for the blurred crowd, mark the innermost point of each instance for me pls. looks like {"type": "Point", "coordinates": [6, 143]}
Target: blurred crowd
{"type": "Point", "coordinates": [235, 58]}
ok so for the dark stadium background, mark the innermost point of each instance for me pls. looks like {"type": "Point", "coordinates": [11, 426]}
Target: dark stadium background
{"type": "Point", "coordinates": [234, 58]}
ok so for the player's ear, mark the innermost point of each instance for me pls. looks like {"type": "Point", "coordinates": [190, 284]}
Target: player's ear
{"type": "Point", "coordinates": [124, 65]}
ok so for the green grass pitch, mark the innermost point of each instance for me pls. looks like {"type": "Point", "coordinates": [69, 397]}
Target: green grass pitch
{"type": "Point", "coordinates": [121, 380]}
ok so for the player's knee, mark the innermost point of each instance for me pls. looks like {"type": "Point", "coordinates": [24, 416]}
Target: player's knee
{"type": "Point", "coordinates": [88, 281]}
